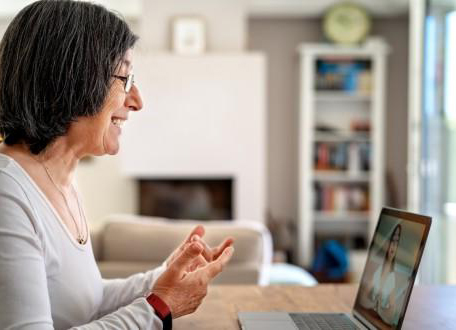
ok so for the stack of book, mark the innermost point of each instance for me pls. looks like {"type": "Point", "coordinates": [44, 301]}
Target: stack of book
{"type": "Point", "coordinates": [341, 197]}
{"type": "Point", "coordinates": [343, 156]}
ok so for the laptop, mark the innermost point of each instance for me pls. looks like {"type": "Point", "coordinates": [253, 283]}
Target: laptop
{"type": "Point", "coordinates": [386, 284]}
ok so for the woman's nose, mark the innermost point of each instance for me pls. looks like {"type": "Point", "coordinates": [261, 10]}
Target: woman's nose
{"type": "Point", "coordinates": [134, 100]}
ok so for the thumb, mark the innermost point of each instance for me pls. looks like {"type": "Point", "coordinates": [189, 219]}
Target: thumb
{"type": "Point", "coordinates": [190, 252]}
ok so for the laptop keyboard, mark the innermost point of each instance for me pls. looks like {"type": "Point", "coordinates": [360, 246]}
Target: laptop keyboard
{"type": "Point", "coordinates": [321, 321]}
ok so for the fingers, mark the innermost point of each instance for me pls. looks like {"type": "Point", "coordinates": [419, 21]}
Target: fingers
{"type": "Point", "coordinates": [215, 267]}
{"type": "Point", "coordinates": [198, 231]}
{"type": "Point", "coordinates": [218, 250]}
{"type": "Point", "coordinates": [190, 252]}
{"type": "Point", "coordinates": [213, 253]}
{"type": "Point", "coordinates": [207, 251]}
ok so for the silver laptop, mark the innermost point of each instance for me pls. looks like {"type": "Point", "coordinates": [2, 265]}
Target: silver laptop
{"type": "Point", "coordinates": [387, 282]}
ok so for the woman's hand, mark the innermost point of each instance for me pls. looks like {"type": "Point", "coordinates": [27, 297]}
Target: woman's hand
{"type": "Point", "coordinates": [208, 254]}
{"type": "Point", "coordinates": [183, 291]}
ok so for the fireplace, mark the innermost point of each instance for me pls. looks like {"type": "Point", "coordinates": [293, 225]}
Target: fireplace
{"type": "Point", "coordinates": [198, 199]}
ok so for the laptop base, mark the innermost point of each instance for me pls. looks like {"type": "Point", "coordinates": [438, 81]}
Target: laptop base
{"type": "Point", "coordinates": [296, 321]}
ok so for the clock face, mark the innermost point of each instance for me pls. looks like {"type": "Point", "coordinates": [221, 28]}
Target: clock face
{"type": "Point", "coordinates": [346, 23]}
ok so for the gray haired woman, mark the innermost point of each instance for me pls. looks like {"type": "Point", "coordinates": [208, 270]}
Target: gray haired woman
{"type": "Point", "coordinates": [66, 88]}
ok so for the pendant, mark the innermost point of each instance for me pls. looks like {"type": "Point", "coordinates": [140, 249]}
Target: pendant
{"type": "Point", "coordinates": [80, 240]}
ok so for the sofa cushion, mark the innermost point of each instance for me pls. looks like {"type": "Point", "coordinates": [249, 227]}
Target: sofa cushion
{"type": "Point", "coordinates": [146, 240]}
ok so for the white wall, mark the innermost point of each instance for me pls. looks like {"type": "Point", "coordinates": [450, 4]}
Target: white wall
{"type": "Point", "coordinates": [204, 117]}
{"type": "Point", "coordinates": [105, 189]}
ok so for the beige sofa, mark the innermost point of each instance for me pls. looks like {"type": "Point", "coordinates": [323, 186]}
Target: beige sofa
{"type": "Point", "coordinates": [127, 244]}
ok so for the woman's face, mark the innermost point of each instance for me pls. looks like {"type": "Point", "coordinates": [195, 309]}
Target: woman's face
{"type": "Point", "coordinates": [104, 129]}
{"type": "Point", "coordinates": [394, 243]}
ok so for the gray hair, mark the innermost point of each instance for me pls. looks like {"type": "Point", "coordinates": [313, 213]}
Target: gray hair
{"type": "Point", "coordinates": [57, 59]}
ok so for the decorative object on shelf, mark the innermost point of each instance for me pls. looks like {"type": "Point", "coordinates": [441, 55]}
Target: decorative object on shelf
{"type": "Point", "coordinates": [189, 35]}
{"type": "Point", "coordinates": [346, 23]}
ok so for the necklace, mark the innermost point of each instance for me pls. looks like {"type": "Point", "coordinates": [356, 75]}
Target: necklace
{"type": "Point", "coordinates": [80, 236]}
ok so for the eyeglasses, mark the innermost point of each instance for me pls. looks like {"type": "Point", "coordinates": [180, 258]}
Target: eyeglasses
{"type": "Point", "coordinates": [128, 81]}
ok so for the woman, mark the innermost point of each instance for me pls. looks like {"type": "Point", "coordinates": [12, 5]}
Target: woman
{"type": "Point", "coordinates": [66, 88]}
{"type": "Point", "coordinates": [383, 288]}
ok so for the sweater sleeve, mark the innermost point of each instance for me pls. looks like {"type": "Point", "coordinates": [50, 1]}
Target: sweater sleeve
{"type": "Point", "coordinates": [124, 306]}
{"type": "Point", "coordinates": [120, 292]}
{"type": "Point", "coordinates": [25, 300]}
{"type": "Point", "coordinates": [23, 286]}
{"type": "Point", "coordinates": [136, 315]}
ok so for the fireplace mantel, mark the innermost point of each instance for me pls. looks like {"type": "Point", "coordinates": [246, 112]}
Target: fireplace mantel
{"type": "Point", "coordinates": [203, 117]}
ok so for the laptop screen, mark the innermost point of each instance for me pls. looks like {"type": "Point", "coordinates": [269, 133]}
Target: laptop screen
{"type": "Point", "coordinates": [391, 267]}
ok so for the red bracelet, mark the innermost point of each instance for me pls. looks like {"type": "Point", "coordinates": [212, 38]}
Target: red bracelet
{"type": "Point", "coordinates": [162, 310]}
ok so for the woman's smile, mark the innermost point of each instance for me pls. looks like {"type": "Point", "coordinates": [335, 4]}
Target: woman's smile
{"type": "Point", "coordinates": [118, 122]}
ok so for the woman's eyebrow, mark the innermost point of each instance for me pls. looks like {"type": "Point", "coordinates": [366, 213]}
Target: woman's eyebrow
{"type": "Point", "coordinates": [127, 63]}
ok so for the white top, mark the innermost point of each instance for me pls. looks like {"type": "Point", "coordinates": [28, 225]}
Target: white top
{"type": "Point", "coordinates": [47, 279]}
{"type": "Point", "coordinates": [386, 290]}
{"type": "Point", "coordinates": [389, 288]}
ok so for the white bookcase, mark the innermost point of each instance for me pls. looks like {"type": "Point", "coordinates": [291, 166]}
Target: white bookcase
{"type": "Point", "coordinates": [341, 146]}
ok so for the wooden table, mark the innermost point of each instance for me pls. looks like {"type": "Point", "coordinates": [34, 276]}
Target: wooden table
{"type": "Point", "coordinates": [431, 307]}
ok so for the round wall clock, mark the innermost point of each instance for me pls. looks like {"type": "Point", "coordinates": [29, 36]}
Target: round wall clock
{"type": "Point", "coordinates": [346, 23]}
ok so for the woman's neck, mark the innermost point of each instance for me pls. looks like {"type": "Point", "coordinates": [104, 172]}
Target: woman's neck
{"type": "Point", "coordinates": [60, 159]}
{"type": "Point", "coordinates": [387, 267]}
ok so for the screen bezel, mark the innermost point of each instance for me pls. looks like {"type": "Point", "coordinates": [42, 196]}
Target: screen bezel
{"type": "Point", "coordinates": [406, 216]}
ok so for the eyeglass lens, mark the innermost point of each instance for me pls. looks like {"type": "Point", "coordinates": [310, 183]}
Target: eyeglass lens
{"type": "Point", "coordinates": [129, 82]}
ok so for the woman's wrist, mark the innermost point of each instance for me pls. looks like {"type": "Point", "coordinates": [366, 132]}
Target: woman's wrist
{"type": "Point", "coordinates": [161, 309]}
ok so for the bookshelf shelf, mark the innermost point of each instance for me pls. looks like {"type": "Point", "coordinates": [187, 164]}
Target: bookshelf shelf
{"type": "Point", "coordinates": [342, 217]}
{"type": "Point", "coordinates": [342, 96]}
{"type": "Point", "coordinates": [341, 144]}
{"type": "Point", "coordinates": [341, 137]}
{"type": "Point", "coordinates": [341, 176]}
{"type": "Point", "coordinates": [335, 224]}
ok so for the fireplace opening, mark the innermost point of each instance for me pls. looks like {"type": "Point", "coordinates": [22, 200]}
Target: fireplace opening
{"type": "Point", "coordinates": [197, 199]}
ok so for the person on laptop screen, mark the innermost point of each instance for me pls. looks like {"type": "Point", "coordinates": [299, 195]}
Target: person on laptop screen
{"type": "Point", "coordinates": [389, 270]}
{"type": "Point", "coordinates": [382, 287]}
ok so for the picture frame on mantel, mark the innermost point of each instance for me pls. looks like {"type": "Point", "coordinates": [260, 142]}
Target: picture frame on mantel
{"type": "Point", "coordinates": [188, 35]}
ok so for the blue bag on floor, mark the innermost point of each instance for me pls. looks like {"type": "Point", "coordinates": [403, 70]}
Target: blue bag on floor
{"type": "Point", "coordinates": [331, 259]}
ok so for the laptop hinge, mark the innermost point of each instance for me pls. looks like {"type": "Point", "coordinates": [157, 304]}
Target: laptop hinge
{"type": "Point", "coordinates": [363, 321]}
